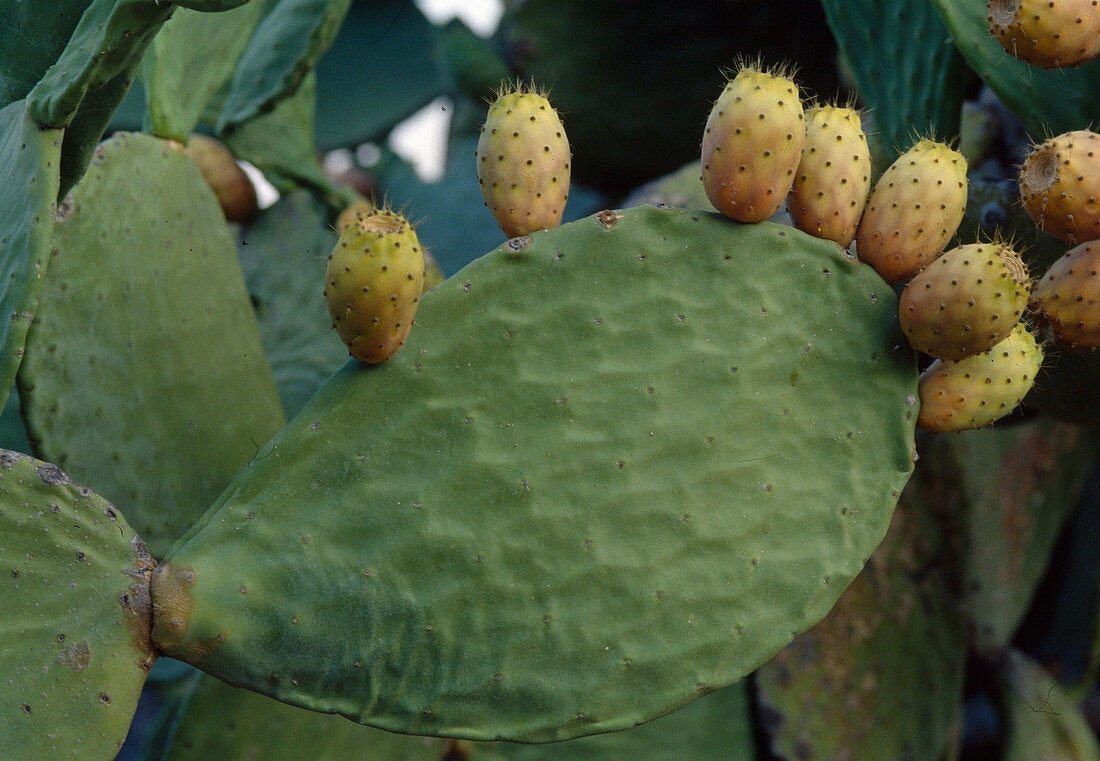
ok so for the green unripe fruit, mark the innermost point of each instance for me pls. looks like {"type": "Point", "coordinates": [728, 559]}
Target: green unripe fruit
{"type": "Point", "coordinates": [833, 176]}
{"type": "Point", "coordinates": [1047, 33]}
{"type": "Point", "coordinates": [913, 212]}
{"type": "Point", "coordinates": [752, 145]}
{"type": "Point", "coordinates": [1060, 186]}
{"type": "Point", "coordinates": [523, 163]}
{"type": "Point", "coordinates": [978, 390]}
{"type": "Point", "coordinates": [373, 282]}
{"type": "Point", "coordinates": [965, 302]}
{"type": "Point", "coordinates": [1069, 297]}
{"type": "Point", "coordinates": [235, 192]}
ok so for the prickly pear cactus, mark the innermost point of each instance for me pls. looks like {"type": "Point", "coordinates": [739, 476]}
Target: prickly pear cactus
{"type": "Point", "coordinates": [144, 356]}
{"type": "Point", "coordinates": [1049, 34]}
{"type": "Point", "coordinates": [74, 637]}
{"type": "Point", "coordinates": [1068, 297]}
{"type": "Point", "coordinates": [1060, 186]}
{"type": "Point", "coordinates": [591, 447]}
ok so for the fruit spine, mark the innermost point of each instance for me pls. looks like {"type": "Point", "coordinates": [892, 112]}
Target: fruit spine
{"type": "Point", "coordinates": [833, 176]}
{"type": "Point", "coordinates": [978, 390]}
{"type": "Point", "coordinates": [913, 211]}
{"type": "Point", "coordinates": [966, 301]}
{"type": "Point", "coordinates": [1047, 33]}
{"type": "Point", "coordinates": [1069, 297]}
{"type": "Point", "coordinates": [1060, 186]}
{"type": "Point", "coordinates": [373, 283]}
{"type": "Point", "coordinates": [523, 162]}
{"type": "Point", "coordinates": [752, 144]}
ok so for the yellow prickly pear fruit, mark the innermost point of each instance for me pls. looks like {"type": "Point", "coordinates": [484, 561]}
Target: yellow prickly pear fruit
{"type": "Point", "coordinates": [523, 162]}
{"type": "Point", "coordinates": [752, 144]}
{"type": "Point", "coordinates": [1060, 186]}
{"type": "Point", "coordinates": [913, 212]}
{"type": "Point", "coordinates": [373, 282]}
{"type": "Point", "coordinates": [978, 390]}
{"type": "Point", "coordinates": [1047, 33]}
{"type": "Point", "coordinates": [357, 210]}
{"type": "Point", "coordinates": [1069, 297]}
{"type": "Point", "coordinates": [833, 176]}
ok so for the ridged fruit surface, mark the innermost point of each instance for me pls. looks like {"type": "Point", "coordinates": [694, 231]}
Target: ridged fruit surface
{"type": "Point", "coordinates": [1049, 33]}
{"type": "Point", "coordinates": [833, 176]}
{"type": "Point", "coordinates": [752, 144]}
{"type": "Point", "coordinates": [577, 499]}
{"type": "Point", "coordinates": [523, 163]}
{"type": "Point", "coordinates": [965, 302]}
{"type": "Point", "coordinates": [1060, 186]}
{"type": "Point", "coordinates": [978, 390]}
{"type": "Point", "coordinates": [914, 210]}
{"type": "Point", "coordinates": [373, 283]}
{"type": "Point", "coordinates": [1069, 297]}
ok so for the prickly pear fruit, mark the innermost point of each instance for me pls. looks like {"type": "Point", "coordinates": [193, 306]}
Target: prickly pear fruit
{"type": "Point", "coordinates": [1069, 297]}
{"type": "Point", "coordinates": [523, 163]}
{"type": "Point", "coordinates": [966, 301]}
{"type": "Point", "coordinates": [373, 283]}
{"type": "Point", "coordinates": [357, 210]}
{"type": "Point", "coordinates": [235, 192]}
{"type": "Point", "coordinates": [914, 209]}
{"type": "Point", "coordinates": [1047, 33]}
{"type": "Point", "coordinates": [752, 144]}
{"type": "Point", "coordinates": [1060, 186]}
{"type": "Point", "coordinates": [833, 176]}
{"type": "Point", "coordinates": [974, 392]}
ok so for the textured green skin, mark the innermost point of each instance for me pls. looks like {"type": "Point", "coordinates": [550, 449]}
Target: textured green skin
{"type": "Point", "coordinates": [283, 50]}
{"type": "Point", "coordinates": [752, 144]}
{"type": "Point", "coordinates": [979, 390]}
{"type": "Point", "coordinates": [74, 644]}
{"type": "Point", "coordinates": [371, 56]}
{"type": "Point", "coordinates": [35, 33]}
{"type": "Point", "coordinates": [1048, 102]}
{"type": "Point", "coordinates": [914, 211]}
{"type": "Point", "coordinates": [491, 500]}
{"type": "Point", "coordinates": [180, 74]}
{"type": "Point", "coordinates": [1049, 34]}
{"type": "Point", "coordinates": [1020, 484]}
{"type": "Point", "coordinates": [282, 256]}
{"type": "Point", "coordinates": [1043, 721]}
{"type": "Point", "coordinates": [833, 177]}
{"type": "Point", "coordinates": [906, 75]}
{"type": "Point", "coordinates": [29, 159]}
{"type": "Point", "coordinates": [523, 163]}
{"type": "Point", "coordinates": [1068, 296]}
{"type": "Point", "coordinates": [626, 123]}
{"type": "Point", "coordinates": [144, 356]}
{"type": "Point", "coordinates": [881, 677]}
{"type": "Point", "coordinates": [963, 303]}
{"type": "Point", "coordinates": [229, 724]}
{"type": "Point", "coordinates": [1060, 186]}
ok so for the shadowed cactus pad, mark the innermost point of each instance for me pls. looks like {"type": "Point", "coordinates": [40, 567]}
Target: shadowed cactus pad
{"type": "Point", "coordinates": [577, 498]}
{"type": "Point", "coordinates": [74, 634]}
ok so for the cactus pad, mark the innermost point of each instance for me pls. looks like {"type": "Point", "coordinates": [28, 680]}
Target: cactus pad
{"type": "Point", "coordinates": [74, 637]}
{"type": "Point", "coordinates": [144, 356]}
{"type": "Point", "coordinates": [580, 496]}
{"type": "Point", "coordinates": [29, 160]}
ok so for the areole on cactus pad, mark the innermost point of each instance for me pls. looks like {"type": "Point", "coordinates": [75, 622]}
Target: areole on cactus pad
{"type": "Point", "coordinates": [576, 499]}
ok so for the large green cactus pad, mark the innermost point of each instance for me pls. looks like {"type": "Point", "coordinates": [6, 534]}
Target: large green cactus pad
{"type": "Point", "coordinates": [906, 73]}
{"type": "Point", "coordinates": [881, 677]}
{"type": "Point", "coordinates": [1048, 101]}
{"type": "Point", "coordinates": [35, 33]}
{"type": "Point", "coordinates": [145, 357]}
{"type": "Point", "coordinates": [181, 74]}
{"type": "Point", "coordinates": [74, 635]}
{"type": "Point", "coordinates": [616, 466]}
{"type": "Point", "coordinates": [29, 161]}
